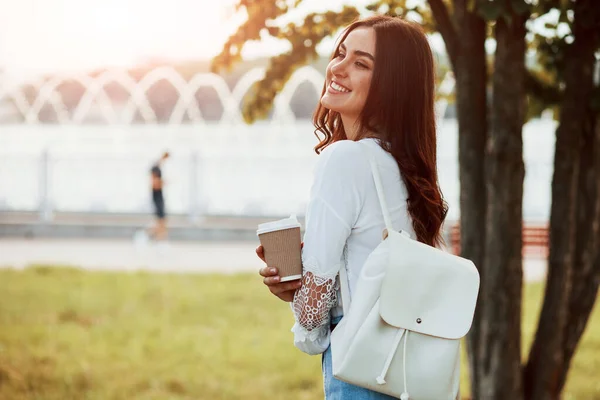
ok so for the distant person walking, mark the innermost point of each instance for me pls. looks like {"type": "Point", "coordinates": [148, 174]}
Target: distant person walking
{"type": "Point", "coordinates": [159, 231]}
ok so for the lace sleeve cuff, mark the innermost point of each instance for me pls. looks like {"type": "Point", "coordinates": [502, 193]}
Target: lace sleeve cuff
{"type": "Point", "coordinates": [311, 307]}
{"type": "Point", "coordinates": [311, 342]}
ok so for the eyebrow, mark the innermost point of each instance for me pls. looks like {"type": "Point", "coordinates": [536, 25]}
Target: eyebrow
{"type": "Point", "coordinates": [359, 52]}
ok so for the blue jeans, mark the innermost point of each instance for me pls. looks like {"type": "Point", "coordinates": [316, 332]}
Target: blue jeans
{"type": "Point", "coordinates": [339, 390]}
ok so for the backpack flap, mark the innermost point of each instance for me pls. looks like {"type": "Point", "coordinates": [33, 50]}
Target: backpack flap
{"type": "Point", "coordinates": [427, 290]}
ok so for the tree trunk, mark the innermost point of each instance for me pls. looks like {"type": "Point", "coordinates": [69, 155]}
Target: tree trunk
{"type": "Point", "coordinates": [465, 43]}
{"type": "Point", "coordinates": [503, 271]}
{"type": "Point", "coordinates": [548, 359]}
{"type": "Point", "coordinates": [471, 76]}
{"type": "Point", "coordinates": [464, 36]}
{"type": "Point", "coordinates": [586, 272]}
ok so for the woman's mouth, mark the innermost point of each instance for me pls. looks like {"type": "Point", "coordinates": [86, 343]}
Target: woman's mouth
{"type": "Point", "coordinates": [336, 88]}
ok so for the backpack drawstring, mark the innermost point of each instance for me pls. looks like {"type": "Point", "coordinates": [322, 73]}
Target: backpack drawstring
{"type": "Point", "coordinates": [381, 378]}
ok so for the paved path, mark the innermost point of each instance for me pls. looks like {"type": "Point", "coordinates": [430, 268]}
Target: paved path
{"type": "Point", "coordinates": [126, 255]}
{"type": "Point", "coordinates": [226, 257]}
{"type": "Point", "coordinates": [27, 225]}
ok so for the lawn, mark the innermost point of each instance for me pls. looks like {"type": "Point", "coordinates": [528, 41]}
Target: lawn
{"type": "Point", "coordinates": [70, 334]}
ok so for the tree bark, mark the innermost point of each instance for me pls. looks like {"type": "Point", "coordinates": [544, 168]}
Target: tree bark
{"type": "Point", "coordinates": [471, 72]}
{"type": "Point", "coordinates": [468, 59]}
{"type": "Point", "coordinates": [445, 26]}
{"type": "Point", "coordinates": [548, 359]}
{"type": "Point", "coordinates": [503, 271]}
{"type": "Point", "coordinates": [586, 272]}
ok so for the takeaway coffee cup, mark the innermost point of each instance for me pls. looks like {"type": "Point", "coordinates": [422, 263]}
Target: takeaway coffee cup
{"type": "Point", "coordinates": [282, 247]}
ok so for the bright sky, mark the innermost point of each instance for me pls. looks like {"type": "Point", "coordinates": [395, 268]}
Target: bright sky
{"type": "Point", "coordinates": [46, 35]}
{"type": "Point", "coordinates": [39, 36]}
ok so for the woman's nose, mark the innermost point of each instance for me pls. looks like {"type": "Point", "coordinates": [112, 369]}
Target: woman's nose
{"type": "Point", "coordinates": [339, 68]}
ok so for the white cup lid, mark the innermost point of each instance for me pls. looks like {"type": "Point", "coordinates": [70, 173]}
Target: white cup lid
{"type": "Point", "coordinates": [286, 223]}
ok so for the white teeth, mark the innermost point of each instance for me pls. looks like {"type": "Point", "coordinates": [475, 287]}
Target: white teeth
{"type": "Point", "coordinates": [339, 88]}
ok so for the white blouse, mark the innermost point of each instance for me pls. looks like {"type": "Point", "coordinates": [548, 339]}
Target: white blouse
{"type": "Point", "coordinates": [344, 224]}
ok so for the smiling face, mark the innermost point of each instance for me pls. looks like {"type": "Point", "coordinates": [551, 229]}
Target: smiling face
{"type": "Point", "coordinates": [349, 73]}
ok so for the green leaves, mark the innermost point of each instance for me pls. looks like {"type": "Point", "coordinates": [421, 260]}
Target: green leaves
{"type": "Point", "coordinates": [260, 15]}
{"type": "Point", "coordinates": [262, 19]}
{"type": "Point", "coordinates": [492, 10]}
{"type": "Point", "coordinates": [399, 8]}
{"type": "Point", "coordinates": [520, 7]}
{"type": "Point", "coordinates": [304, 38]}
{"type": "Point", "coordinates": [543, 91]}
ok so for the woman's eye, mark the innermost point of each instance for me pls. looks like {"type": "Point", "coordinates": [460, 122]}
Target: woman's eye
{"type": "Point", "coordinates": [341, 55]}
{"type": "Point", "coordinates": [361, 65]}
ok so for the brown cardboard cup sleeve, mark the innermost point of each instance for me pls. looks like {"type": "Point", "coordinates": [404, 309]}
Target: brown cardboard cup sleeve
{"type": "Point", "coordinates": [281, 242]}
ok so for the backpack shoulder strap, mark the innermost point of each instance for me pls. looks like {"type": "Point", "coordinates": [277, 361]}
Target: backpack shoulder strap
{"type": "Point", "coordinates": [378, 186]}
{"type": "Point", "coordinates": [344, 283]}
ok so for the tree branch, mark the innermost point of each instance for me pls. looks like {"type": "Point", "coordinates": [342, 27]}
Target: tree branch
{"type": "Point", "coordinates": [304, 38]}
{"type": "Point", "coordinates": [260, 13]}
{"type": "Point", "coordinates": [547, 357]}
{"type": "Point", "coordinates": [445, 26]}
{"type": "Point", "coordinates": [586, 274]}
{"type": "Point", "coordinates": [549, 95]}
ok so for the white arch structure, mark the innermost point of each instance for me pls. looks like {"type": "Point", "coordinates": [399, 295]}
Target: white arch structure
{"type": "Point", "coordinates": [47, 94]}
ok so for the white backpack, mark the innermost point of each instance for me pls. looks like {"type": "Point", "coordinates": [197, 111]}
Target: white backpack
{"type": "Point", "coordinates": [411, 306]}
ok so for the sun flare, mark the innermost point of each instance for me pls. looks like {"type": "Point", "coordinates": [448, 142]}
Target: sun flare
{"type": "Point", "coordinates": [84, 34]}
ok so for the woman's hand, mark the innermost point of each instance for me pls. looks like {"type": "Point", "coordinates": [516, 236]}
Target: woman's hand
{"type": "Point", "coordinates": [286, 290]}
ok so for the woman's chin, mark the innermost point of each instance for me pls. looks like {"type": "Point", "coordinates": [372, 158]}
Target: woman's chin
{"type": "Point", "coordinates": [325, 102]}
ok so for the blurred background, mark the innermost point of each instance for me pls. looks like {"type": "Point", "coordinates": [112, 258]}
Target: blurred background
{"type": "Point", "coordinates": [91, 95]}
{"type": "Point", "coordinates": [87, 106]}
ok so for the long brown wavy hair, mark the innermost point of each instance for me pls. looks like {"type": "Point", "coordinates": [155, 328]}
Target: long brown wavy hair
{"type": "Point", "coordinates": [400, 110]}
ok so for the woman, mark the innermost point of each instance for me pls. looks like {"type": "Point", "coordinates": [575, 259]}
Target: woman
{"type": "Point", "coordinates": [379, 91]}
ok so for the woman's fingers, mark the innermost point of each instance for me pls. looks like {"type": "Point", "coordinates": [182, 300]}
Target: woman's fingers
{"type": "Point", "coordinates": [260, 252]}
{"type": "Point", "coordinates": [285, 287]}
{"type": "Point", "coordinates": [275, 281]}
{"type": "Point", "coordinates": [267, 271]}
{"type": "Point", "coordinates": [271, 280]}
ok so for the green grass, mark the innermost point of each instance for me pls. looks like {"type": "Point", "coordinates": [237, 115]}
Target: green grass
{"type": "Point", "coordinates": [69, 334]}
